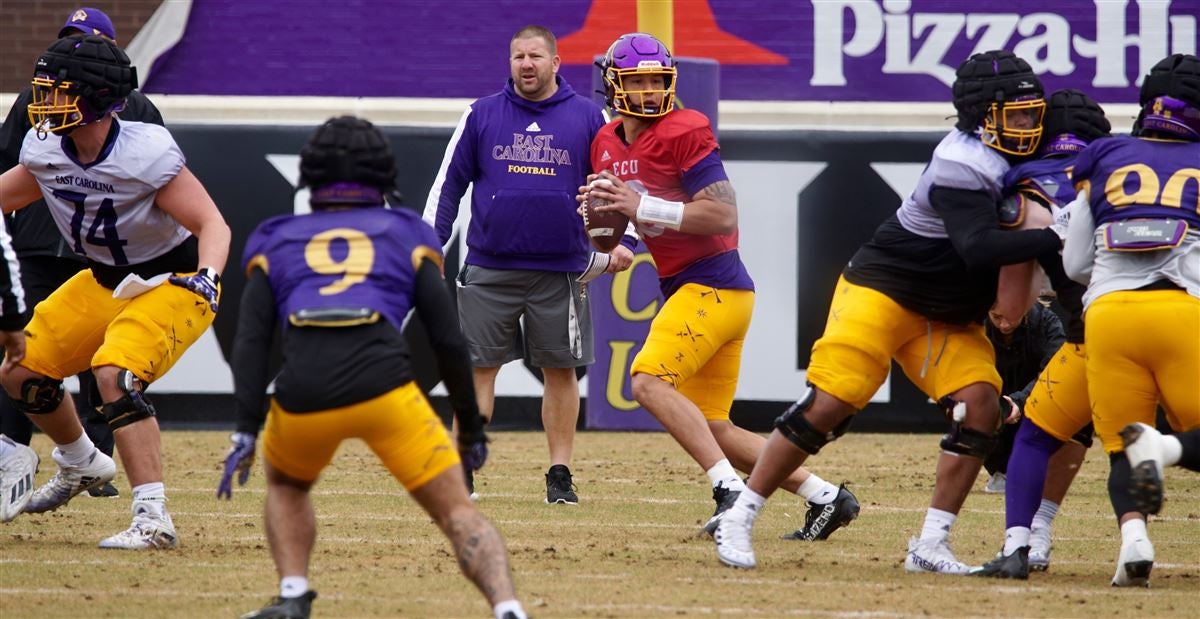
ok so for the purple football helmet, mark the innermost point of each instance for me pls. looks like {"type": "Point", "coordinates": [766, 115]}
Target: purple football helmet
{"type": "Point", "coordinates": [1172, 117]}
{"type": "Point", "coordinates": [638, 53]}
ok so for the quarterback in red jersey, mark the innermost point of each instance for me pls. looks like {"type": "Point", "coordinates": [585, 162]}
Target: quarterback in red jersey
{"type": "Point", "coordinates": [661, 167]}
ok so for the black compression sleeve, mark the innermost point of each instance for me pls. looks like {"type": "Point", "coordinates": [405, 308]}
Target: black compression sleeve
{"type": "Point", "coordinates": [973, 228]}
{"type": "Point", "coordinates": [251, 352]}
{"type": "Point", "coordinates": [441, 322]}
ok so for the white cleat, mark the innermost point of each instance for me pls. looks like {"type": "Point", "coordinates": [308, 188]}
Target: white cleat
{"type": "Point", "coordinates": [933, 558]}
{"type": "Point", "coordinates": [996, 483]}
{"type": "Point", "coordinates": [734, 547]}
{"type": "Point", "coordinates": [148, 531]}
{"type": "Point", "coordinates": [1039, 549]}
{"type": "Point", "coordinates": [1143, 447]}
{"type": "Point", "coordinates": [71, 480]}
{"type": "Point", "coordinates": [17, 471]}
{"type": "Point", "coordinates": [1134, 563]}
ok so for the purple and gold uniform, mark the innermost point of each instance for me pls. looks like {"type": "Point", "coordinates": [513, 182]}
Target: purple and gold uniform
{"type": "Point", "coordinates": [341, 282]}
{"type": "Point", "coordinates": [695, 341]}
{"type": "Point", "coordinates": [1142, 227]}
{"type": "Point", "coordinates": [1058, 402]}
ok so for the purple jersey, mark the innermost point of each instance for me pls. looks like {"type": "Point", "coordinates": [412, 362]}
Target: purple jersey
{"type": "Point", "coordinates": [362, 258]}
{"type": "Point", "coordinates": [1049, 178]}
{"type": "Point", "coordinates": [1134, 178]}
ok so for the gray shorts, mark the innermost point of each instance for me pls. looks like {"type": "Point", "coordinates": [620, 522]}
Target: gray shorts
{"type": "Point", "coordinates": [557, 317]}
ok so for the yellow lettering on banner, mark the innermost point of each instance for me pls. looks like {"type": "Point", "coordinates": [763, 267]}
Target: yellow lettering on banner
{"type": "Point", "coordinates": [618, 373]}
{"type": "Point", "coordinates": [620, 292]}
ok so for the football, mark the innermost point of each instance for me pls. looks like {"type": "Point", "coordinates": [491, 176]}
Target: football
{"type": "Point", "coordinates": [604, 229]}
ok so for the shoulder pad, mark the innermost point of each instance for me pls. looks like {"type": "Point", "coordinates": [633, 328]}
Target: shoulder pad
{"type": "Point", "coordinates": [681, 122]}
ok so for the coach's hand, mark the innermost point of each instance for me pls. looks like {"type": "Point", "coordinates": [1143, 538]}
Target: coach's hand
{"type": "Point", "coordinates": [239, 459]}
{"type": "Point", "coordinates": [203, 284]}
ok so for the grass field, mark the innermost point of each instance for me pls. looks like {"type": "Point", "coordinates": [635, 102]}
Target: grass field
{"type": "Point", "coordinates": [628, 550]}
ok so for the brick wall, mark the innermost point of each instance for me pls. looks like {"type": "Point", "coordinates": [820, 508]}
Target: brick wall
{"type": "Point", "coordinates": [28, 27]}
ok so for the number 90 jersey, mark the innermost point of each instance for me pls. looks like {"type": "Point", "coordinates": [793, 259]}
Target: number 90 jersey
{"type": "Point", "coordinates": [358, 258]}
{"type": "Point", "coordinates": [106, 209]}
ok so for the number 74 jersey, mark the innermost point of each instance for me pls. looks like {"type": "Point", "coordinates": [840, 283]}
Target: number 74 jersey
{"type": "Point", "coordinates": [348, 259]}
{"type": "Point", "coordinates": [105, 209]}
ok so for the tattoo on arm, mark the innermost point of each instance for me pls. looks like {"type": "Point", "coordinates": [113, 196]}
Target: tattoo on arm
{"type": "Point", "coordinates": [721, 191]}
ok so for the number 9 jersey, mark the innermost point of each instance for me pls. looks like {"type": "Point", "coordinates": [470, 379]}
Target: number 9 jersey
{"type": "Point", "coordinates": [342, 261]}
{"type": "Point", "coordinates": [106, 209]}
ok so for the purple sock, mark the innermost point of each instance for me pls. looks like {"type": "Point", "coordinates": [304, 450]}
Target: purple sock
{"type": "Point", "coordinates": [1027, 473]}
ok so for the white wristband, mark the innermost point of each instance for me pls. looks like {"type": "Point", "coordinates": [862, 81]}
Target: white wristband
{"type": "Point", "coordinates": [654, 210]}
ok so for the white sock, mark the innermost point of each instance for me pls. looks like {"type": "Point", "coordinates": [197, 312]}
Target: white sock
{"type": "Point", "coordinates": [154, 491]}
{"type": "Point", "coordinates": [509, 606]}
{"type": "Point", "coordinates": [1172, 451]}
{"type": "Point", "coordinates": [1045, 514]}
{"type": "Point", "coordinates": [6, 446]}
{"type": "Point", "coordinates": [722, 474]}
{"type": "Point", "coordinates": [747, 506]}
{"type": "Point", "coordinates": [79, 452]}
{"type": "Point", "coordinates": [293, 586]}
{"type": "Point", "coordinates": [937, 525]}
{"type": "Point", "coordinates": [1134, 529]}
{"type": "Point", "coordinates": [817, 491]}
{"type": "Point", "coordinates": [1014, 538]}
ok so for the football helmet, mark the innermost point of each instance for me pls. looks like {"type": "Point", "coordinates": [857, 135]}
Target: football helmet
{"type": "Point", "coordinates": [1170, 98]}
{"type": "Point", "coordinates": [78, 81]}
{"type": "Point", "coordinates": [999, 97]}
{"type": "Point", "coordinates": [1073, 120]}
{"type": "Point", "coordinates": [347, 160]}
{"type": "Point", "coordinates": [638, 53]}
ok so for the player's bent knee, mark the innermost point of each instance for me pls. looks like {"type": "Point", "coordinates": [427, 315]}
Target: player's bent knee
{"type": "Point", "coordinates": [132, 407]}
{"type": "Point", "coordinates": [968, 442]}
{"type": "Point", "coordinates": [796, 428]}
{"type": "Point", "coordinates": [39, 396]}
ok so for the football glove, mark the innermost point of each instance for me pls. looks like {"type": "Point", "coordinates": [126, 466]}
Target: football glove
{"type": "Point", "coordinates": [203, 284]}
{"type": "Point", "coordinates": [239, 459]}
{"type": "Point", "coordinates": [472, 445]}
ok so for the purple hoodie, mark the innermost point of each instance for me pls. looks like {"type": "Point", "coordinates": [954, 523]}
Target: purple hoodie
{"type": "Point", "coordinates": [526, 161]}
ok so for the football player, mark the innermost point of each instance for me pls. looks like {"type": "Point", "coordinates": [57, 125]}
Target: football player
{"type": "Point", "coordinates": [18, 463]}
{"type": "Point", "coordinates": [1134, 238]}
{"type": "Point", "coordinates": [121, 195]}
{"type": "Point", "coordinates": [661, 167]}
{"type": "Point", "coordinates": [339, 283]}
{"type": "Point", "coordinates": [917, 293]}
{"type": "Point", "coordinates": [1056, 431]}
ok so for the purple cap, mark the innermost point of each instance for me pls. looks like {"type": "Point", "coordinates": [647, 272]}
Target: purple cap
{"type": "Point", "coordinates": [89, 21]}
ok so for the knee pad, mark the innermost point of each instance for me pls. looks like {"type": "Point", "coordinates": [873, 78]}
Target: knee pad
{"type": "Point", "coordinates": [39, 396]}
{"type": "Point", "coordinates": [1120, 481]}
{"type": "Point", "coordinates": [132, 407]}
{"type": "Point", "coordinates": [968, 442]}
{"type": "Point", "coordinates": [1084, 436]}
{"type": "Point", "coordinates": [795, 428]}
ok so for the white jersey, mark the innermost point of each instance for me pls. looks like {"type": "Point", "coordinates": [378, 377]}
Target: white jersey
{"type": "Point", "coordinates": [960, 161]}
{"type": "Point", "coordinates": [106, 209]}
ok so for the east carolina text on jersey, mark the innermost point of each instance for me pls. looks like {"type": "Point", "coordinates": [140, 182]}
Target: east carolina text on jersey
{"type": "Point", "coordinates": [354, 259]}
{"type": "Point", "coordinates": [106, 209]}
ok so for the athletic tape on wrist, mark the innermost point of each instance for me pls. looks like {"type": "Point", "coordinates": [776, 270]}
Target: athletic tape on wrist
{"type": "Point", "coordinates": [652, 210]}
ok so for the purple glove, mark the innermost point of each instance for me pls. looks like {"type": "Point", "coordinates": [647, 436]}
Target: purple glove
{"type": "Point", "coordinates": [240, 457]}
{"type": "Point", "coordinates": [473, 450]}
{"type": "Point", "coordinates": [203, 284]}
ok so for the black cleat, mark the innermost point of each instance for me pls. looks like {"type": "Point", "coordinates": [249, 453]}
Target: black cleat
{"type": "Point", "coordinates": [559, 488]}
{"type": "Point", "coordinates": [107, 491]}
{"type": "Point", "coordinates": [1015, 565]}
{"type": "Point", "coordinates": [1143, 447]}
{"type": "Point", "coordinates": [725, 498]}
{"type": "Point", "coordinates": [822, 520]}
{"type": "Point", "coordinates": [286, 608]}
